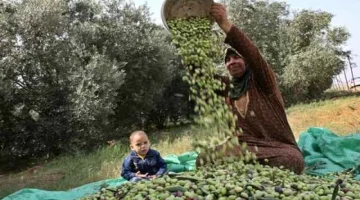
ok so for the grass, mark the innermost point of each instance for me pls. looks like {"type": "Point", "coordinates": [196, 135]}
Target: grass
{"type": "Point", "coordinates": [339, 114]}
{"type": "Point", "coordinates": [66, 172]}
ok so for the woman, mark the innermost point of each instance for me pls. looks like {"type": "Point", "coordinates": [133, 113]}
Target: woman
{"type": "Point", "coordinates": [257, 101]}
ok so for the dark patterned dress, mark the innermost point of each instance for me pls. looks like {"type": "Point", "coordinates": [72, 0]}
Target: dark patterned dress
{"type": "Point", "coordinates": [261, 111]}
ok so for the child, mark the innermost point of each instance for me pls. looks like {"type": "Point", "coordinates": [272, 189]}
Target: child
{"type": "Point", "coordinates": [142, 162]}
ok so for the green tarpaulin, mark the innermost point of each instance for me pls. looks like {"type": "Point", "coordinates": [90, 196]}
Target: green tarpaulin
{"type": "Point", "coordinates": [323, 151]}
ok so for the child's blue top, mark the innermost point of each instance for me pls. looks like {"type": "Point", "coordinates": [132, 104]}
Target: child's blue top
{"type": "Point", "coordinates": [152, 164]}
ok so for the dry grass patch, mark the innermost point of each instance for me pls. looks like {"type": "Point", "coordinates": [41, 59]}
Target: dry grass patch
{"type": "Point", "coordinates": [342, 116]}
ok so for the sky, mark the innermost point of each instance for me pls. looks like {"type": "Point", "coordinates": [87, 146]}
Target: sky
{"type": "Point", "coordinates": [346, 13]}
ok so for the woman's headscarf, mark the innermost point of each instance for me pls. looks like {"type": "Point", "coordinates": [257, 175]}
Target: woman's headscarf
{"type": "Point", "coordinates": [240, 84]}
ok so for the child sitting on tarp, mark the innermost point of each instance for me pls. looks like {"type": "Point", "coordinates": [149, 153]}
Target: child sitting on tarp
{"type": "Point", "coordinates": [142, 162]}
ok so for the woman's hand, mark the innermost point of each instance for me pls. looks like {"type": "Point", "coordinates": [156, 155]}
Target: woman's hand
{"type": "Point", "coordinates": [219, 14]}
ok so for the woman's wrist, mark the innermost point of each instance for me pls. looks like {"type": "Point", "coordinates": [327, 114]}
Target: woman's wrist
{"type": "Point", "coordinates": [226, 26]}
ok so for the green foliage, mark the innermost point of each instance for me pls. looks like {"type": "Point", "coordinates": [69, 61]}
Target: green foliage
{"type": "Point", "coordinates": [53, 90]}
{"type": "Point", "coordinates": [309, 73]}
{"type": "Point", "coordinates": [76, 73]}
{"type": "Point", "coordinates": [308, 26]}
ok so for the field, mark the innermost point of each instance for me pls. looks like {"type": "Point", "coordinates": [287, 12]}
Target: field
{"type": "Point", "coordinates": [341, 114]}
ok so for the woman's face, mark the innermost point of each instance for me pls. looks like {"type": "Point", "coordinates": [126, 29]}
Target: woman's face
{"type": "Point", "coordinates": [236, 65]}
